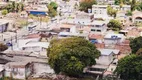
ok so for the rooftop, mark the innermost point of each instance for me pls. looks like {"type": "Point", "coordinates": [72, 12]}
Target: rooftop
{"type": "Point", "coordinates": [36, 44]}
{"type": "Point", "coordinates": [108, 51]}
{"type": "Point", "coordinates": [17, 64]}
{"type": "Point", "coordinates": [111, 35]}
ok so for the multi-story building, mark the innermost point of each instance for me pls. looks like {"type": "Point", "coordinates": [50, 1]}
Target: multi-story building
{"type": "Point", "coordinates": [98, 27]}
{"type": "Point", "coordinates": [102, 9]}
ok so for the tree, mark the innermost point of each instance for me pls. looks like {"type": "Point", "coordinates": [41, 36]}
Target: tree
{"type": "Point", "coordinates": [136, 44]}
{"type": "Point", "coordinates": [133, 5]}
{"type": "Point", "coordinates": [15, 7]}
{"type": "Point", "coordinates": [111, 11]}
{"type": "Point", "coordinates": [129, 13]}
{"type": "Point", "coordinates": [20, 7]}
{"type": "Point", "coordinates": [139, 7]}
{"type": "Point", "coordinates": [130, 67]}
{"type": "Point", "coordinates": [54, 5]}
{"type": "Point", "coordinates": [118, 2]}
{"type": "Point", "coordinates": [139, 52]}
{"type": "Point", "coordinates": [51, 12]}
{"type": "Point", "coordinates": [87, 4]}
{"type": "Point", "coordinates": [3, 47]}
{"type": "Point", "coordinates": [114, 25]}
{"type": "Point", "coordinates": [71, 55]}
{"type": "Point", "coordinates": [4, 12]}
{"type": "Point", "coordinates": [52, 9]}
{"type": "Point", "coordinates": [9, 8]}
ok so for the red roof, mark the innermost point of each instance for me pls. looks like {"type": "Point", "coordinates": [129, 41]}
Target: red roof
{"type": "Point", "coordinates": [95, 36]}
{"type": "Point", "coordinates": [100, 45]}
{"type": "Point", "coordinates": [124, 47]}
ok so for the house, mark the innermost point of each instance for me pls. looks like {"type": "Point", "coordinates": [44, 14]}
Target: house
{"type": "Point", "coordinates": [99, 9]}
{"type": "Point", "coordinates": [103, 62]}
{"type": "Point", "coordinates": [107, 56]}
{"type": "Point", "coordinates": [95, 38]}
{"type": "Point", "coordinates": [124, 47]}
{"type": "Point", "coordinates": [102, 9]}
{"type": "Point", "coordinates": [18, 70]}
{"type": "Point", "coordinates": [112, 38]}
{"type": "Point", "coordinates": [73, 32]}
{"type": "Point", "coordinates": [80, 19]}
{"type": "Point", "coordinates": [122, 8]}
{"type": "Point", "coordinates": [98, 27]}
{"type": "Point", "coordinates": [65, 27]}
{"type": "Point", "coordinates": [35, 47]}
{"type": "Point", "coordinates": [137, 17]}
{"type": "Point", "coordinates": [44, 69]}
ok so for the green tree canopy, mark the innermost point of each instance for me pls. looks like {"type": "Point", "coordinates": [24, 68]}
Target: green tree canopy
{"type": "Point", "coordinates": [133, 5]}
{"type": "Point", "coordinates": [111, 11]}
{"type": "Point", "coordinates": [139, 7]}
{"type": "Point", "coordinates": [4, 12]}
{"type": "Point", "coordinates": [129, 13]}
{"type": "Point", "coordinates": [130, 67]}
{"type": "Point", "coordinates": [114, 25]}
{"type": "Point", "coordinates": [51, 11]}
{"type": "Point", "coordinates": [15, 7]}
{"type": "Point", "coordinates": [87, 4]}
{"type": "Point", "coordinates": [136, 44]}
{"type": "Point", "coordinates": [71, 55]}
{"type": "Point", "coordinates": [118, 2]}
{"type": "Point", "coordinates": [54, 5]}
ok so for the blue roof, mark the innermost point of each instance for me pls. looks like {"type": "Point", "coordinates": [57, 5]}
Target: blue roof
{"type": "Point", "coordinates": [37, 12]}
{"type": "Point", "coordinates": [94, 41]}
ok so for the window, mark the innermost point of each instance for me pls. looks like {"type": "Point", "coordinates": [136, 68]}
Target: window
{"type": "Point", "coordinates": [93, 30]}
{"type": "Point", "coordinates": [98, 30]}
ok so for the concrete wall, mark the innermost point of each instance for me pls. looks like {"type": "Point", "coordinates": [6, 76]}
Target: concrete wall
{"type": "Point", "coordinates": [17, 73]}
{"type": "Point", "coordinates": [105, 60]}
{"type": "Point", "coordinates": [106, 41]}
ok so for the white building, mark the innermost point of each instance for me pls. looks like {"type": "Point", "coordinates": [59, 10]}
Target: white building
{"type": "Point", "coordinates": [98, 27]}
{"type": "Point", "coordinates": [102, 9]}
{"type": "Point", "coordinates": [33, 45]}
{"type": "Point", "coordinates": [137, 17]}
{"type": "Point", "coordinates": [112, 38]}
{"type": "Point", "coordinates": [99, 9]}
{"type": "Point", "coordinates": [18, 70]}
{"type": "Point", "coordinates": [103, 62]}
{"type": "Point", "coordinates": [107, 56]}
